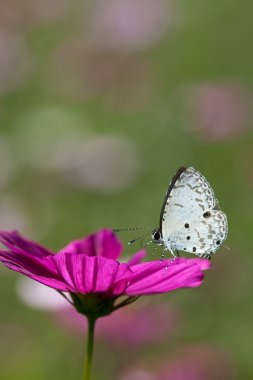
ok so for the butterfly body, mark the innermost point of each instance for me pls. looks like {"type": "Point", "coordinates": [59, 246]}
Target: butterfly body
{"type": "Point", "coordinates": [191, 219]}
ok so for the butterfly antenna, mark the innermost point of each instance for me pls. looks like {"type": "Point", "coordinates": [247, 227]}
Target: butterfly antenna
{"type": "Point", "coordinates": [138, 238]}
{"type": "Point", "coordinates": [154, 250]}
{"type": "Point", "coordinates": [175, 256]}
{"type": "Point", "coordinates": [130, 229]}
{"type": "Point", "coordinates": [228, 248]}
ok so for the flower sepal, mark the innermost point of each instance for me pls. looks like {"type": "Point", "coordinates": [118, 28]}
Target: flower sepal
{"type": "Point", "coordinates": [93, 305]}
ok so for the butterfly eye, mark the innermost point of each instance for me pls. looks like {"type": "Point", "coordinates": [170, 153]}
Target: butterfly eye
{"type": "Point", "coordinates": [156, 235]}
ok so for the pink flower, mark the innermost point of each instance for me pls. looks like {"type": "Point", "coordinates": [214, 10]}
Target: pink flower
{"type": "Point", "coordinates": [90, 271]}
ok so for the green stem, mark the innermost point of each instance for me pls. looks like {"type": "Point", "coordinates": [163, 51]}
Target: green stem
{"type": "Point", "coordinates": [89, 349]}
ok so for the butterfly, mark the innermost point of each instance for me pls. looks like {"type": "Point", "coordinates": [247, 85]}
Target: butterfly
{"type": "Point", "coordinates": [190, 218]}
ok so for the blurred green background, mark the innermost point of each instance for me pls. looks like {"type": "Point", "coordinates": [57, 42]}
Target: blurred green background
{"type": "Point", "coordinates": [100, 102]}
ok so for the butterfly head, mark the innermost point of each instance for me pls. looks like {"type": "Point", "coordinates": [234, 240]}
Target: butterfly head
{"type": "Point", "coordinates": [157, 236]}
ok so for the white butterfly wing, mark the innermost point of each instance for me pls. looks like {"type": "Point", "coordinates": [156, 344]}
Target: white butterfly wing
{"type": "Point", "coordinates": [191, 219]}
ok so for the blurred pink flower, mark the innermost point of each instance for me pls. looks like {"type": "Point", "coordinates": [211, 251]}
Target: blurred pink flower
{"type": "Point", "coordinates": [127, 25]}
{"type": "Point", "coordinates": [90, 267]}
{"type": "Point", "coordinates": [195, 362]}
{"type": "Point", "coordinates": [133, 326]}
{"type": "Point", "coordinates": [139, 325]}
{"type": "Point", "coordinates": [138, 374]}
{"type": "Point", "coordinates": [198, 362]}
{"type": "Point", "coordinates": [220, 111]}
{"type": "Point", "coordinates": [41, 297]}
{"type": "Point", "coordinates": [158, 321]}
{"type": "Point", "coordinates": [18, 15]}
{"type": "Point", "coordinates": [78, 71]}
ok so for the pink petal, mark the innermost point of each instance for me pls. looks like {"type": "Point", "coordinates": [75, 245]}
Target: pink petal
{"type": "Point", "coordinates": [137, 257]}
{"type": "Point", "coordinates": [159, 277]}
{"type": "Point", "coordinates": [91, 274]}
{"type": "Point", "coordinates": [30, 263]}
{"type": "Point", "coordinates": [12, 240]}
{"type": "Point", "coordinates": [103, 243]}
{"type": "Point", "coordinates": [48, 281]}
{"type": "Point", "coordinates": [36, 268]}
{"type": "Point", "coordinates": [121, 279]}
{"type": "Point", "coordinates": [202, 263]}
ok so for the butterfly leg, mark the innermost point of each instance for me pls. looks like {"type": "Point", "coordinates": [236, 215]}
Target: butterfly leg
{"type": "Point", "coordinates": [205, 256]}
{"type": "Point", "coordinates": [163, 254]}
{"type": "Point", "coordinates": [174, 253]}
